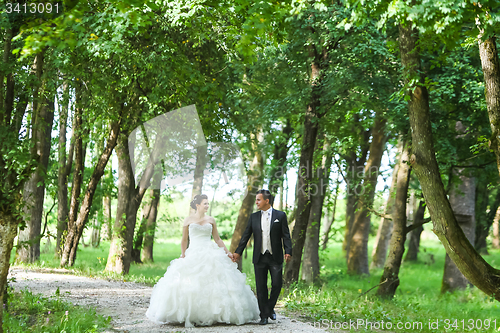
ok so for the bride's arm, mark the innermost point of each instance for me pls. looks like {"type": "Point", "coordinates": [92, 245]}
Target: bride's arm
{"type": "Point", "coordinates": [217, 238]}
{"type": "Point", "coordinates": [185, 238]}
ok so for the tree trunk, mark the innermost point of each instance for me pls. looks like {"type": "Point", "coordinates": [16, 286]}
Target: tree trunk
{"type": "Point", "coordinates": [28, 250]}
{"type": "Point", "coordinates": [352, 184]}
{"type": "Point", "coordinates": [150, 213]}
{"type": "Point", "coordinates": [414, 236]}
{"type": "Point", "coordinates": [389, 281]}
{"type": "Point", "coordinates": [304, 177]}
{"type": "Point", "coordinates": [353, 178]}
{"type": "Point", "coordinates": [108, 220]}
{"type": "Point", "coordinates": [379, 252]}
{"type": "Point", "coordinates": [7, 45]}
{"type": "Point", "coordinates": [491, 70]}
{"type": "Point", "coordinates": [8, 231]}
{"type": "Point", "coordinates": [149, 209]}
{"type": "Point", "coordinates": [98, 217]}
{"type": "Point", "coordinates": [119, 257]}
{"type": "Point", "coordinates": [201, 163]}
{"type": "Point", "coordinates": [423, 161]}
{"type": "Point", "coordinates": [357, 255]}
{"type": "Point", "coordinates": [129, 195]}
{"type": "Point", "coordinates": [328, 225]}
{"type": "Point", "coordinates": [63, 172]}
{"type": "Point", "coordinates": [76, 229]}
{"type": "Point", "coordinates": [303, 194]}
{"type": "Point", "coordinates": [138, 241]}
{"type": "Point", "coordinates": [462, 199]}
{"type": "Point", "coordinates": [95, 238]}
{"type": "Point", "coordinates": [79, 160]}
{"type": "Point", "coordinates": [485, 215]}
{"type": "Point", "coordinates": [255, 179]}
{"type": "Point", "coordinates": [310, 263]}
{"type": "Point", "coordinates": [496, 230]}
{"type": "Point", "coordinates": [10, 193]}
{"type": "Point", "coordinates": [279, 165]}
{"type": "Point", "coordinates": [481, 210]}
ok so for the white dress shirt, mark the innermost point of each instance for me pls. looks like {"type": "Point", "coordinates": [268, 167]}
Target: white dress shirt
{"type": "Point", "coordinates": [266, 230]}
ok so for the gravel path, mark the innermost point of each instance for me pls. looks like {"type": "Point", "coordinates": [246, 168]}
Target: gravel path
{"type": "Point", "coordinates": [127, 302]}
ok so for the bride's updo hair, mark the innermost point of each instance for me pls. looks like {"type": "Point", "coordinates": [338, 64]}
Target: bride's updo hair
{"type": "Point", "coordinates": [197, 200]}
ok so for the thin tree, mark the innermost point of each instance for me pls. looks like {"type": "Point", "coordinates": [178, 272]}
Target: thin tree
{"type": "Point", "coordinates": [310, 263]}
{"type": "Point", "coordinates": [255, 179]}
{"type": "Point", "coordinates": [357, 252]}
{"type": "Point", "coordinates": [390, 278]}
{"type": "Point", "coordinates": [65, 163]}
{"type": "Point", "coordinates": [34, 191]}
{"type": "Point", "coordinates": [379, 252]}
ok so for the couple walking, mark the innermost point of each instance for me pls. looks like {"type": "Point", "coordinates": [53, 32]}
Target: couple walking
{"type": "Point", "coordinates": [204, 286]}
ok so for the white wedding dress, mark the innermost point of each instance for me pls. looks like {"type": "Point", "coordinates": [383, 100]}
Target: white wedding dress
{"type": "Point", "coordinates": [203, 288]}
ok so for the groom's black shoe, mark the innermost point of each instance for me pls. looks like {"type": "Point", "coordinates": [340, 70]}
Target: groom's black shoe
{"type": "Point", "coordinates": [273, 315]}
{"type": "Point", "coordinates": [263, 321]}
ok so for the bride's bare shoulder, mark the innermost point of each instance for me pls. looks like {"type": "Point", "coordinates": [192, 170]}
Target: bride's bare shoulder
{"type": "Point", "coordinates": [187, 221]}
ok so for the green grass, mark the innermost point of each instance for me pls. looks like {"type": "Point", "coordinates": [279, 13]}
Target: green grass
{"type": "Point", "coordinates": [339, 297]}
{"type": "Point", "coordinates": [26, 312]}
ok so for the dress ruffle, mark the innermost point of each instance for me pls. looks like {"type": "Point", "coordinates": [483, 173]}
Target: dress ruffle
{"type": "Point", "coordinates": [203, 288]}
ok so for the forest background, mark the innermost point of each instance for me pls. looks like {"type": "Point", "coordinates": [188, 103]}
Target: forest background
{"type": "Point", "coordinates": [319, 101]}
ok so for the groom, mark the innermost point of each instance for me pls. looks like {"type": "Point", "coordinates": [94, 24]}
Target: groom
{"type": "Point", "coordinates": [270, 231]}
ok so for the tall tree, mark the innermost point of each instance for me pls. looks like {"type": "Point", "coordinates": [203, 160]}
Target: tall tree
{"type": "Point", "coordinates": [491, 69]}
{"type": "Point", "coordinates": [201, 164]}
{"type": "Point", "coordinates": [150, 214]}
{"type": "Point", "coordinates": [145, 233]}
{"type": "Point", "coordinates": [34, 191]}
{"type": "Point", "coordinates": [15, 163]}
{"type": "Point", "coordinates": [310, 263]}
{"type": "Point", "coordinates": [357, 252]}
{"type": "Point", "coordinates": [279, 164]}
{"type": "Point", "coordinates": [328, 225]}
{"type": "Point", "coordinates": [379, 252]}
{"type": "Point", "coordinates": [65, 164]}
{"type": "Point", "coordinates": [462, 197]}
{"type": "Point", "coordinates": [304, 180]}
{"type": "Point", "coordinates": [129, 199]}
{"type": "Point", "coordinates": [390, 278]}
{"type": "Point", "coordinates": [496, 230]}
{"type": "Point", "coordinates": [255, 179]}
{"type": "Point", "coordinates": [353, 178]}
{"type": "Point", "coordinates": [423, 161]}
{"type": "Point", "coordinates": [75, 230]}
{"type": "Point", "coordinates": [314, 111]}
{"type": "Point", "coordinates": [414, 235]}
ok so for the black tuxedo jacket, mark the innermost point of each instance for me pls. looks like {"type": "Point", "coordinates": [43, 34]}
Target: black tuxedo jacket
{"type": "Point", "coordinates": [280, 236]}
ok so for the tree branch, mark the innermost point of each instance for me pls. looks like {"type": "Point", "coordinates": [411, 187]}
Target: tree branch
{"type": "Point", "coordinates": [415, 226]}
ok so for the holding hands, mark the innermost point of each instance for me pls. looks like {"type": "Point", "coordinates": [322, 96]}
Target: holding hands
{"type": "Point", "coordinates": [237, 257]}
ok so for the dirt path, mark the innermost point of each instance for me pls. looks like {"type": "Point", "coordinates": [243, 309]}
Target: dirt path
{"type": "Point", "coordinates": [127, 302]}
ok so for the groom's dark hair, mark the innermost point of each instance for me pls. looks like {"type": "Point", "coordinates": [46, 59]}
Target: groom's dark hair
{"type": "Point", "coordinates": [266, 195]}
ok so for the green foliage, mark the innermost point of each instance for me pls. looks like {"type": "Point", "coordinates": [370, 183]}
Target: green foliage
{"type": "Point", "coordinates": [446, 20]}
{"type": "Point", "coordinates": [35, 313]}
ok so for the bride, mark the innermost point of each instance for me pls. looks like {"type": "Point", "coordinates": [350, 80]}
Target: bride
{"type": "Point", "coordinates": [203, 286]}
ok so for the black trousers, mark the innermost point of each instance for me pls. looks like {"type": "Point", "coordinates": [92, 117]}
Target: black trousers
{"type": "Point", "coordinates": [267, 264]}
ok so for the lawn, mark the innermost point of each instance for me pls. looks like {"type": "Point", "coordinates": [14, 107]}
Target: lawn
{"type": "Point", "coordinates": [339, 298]}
